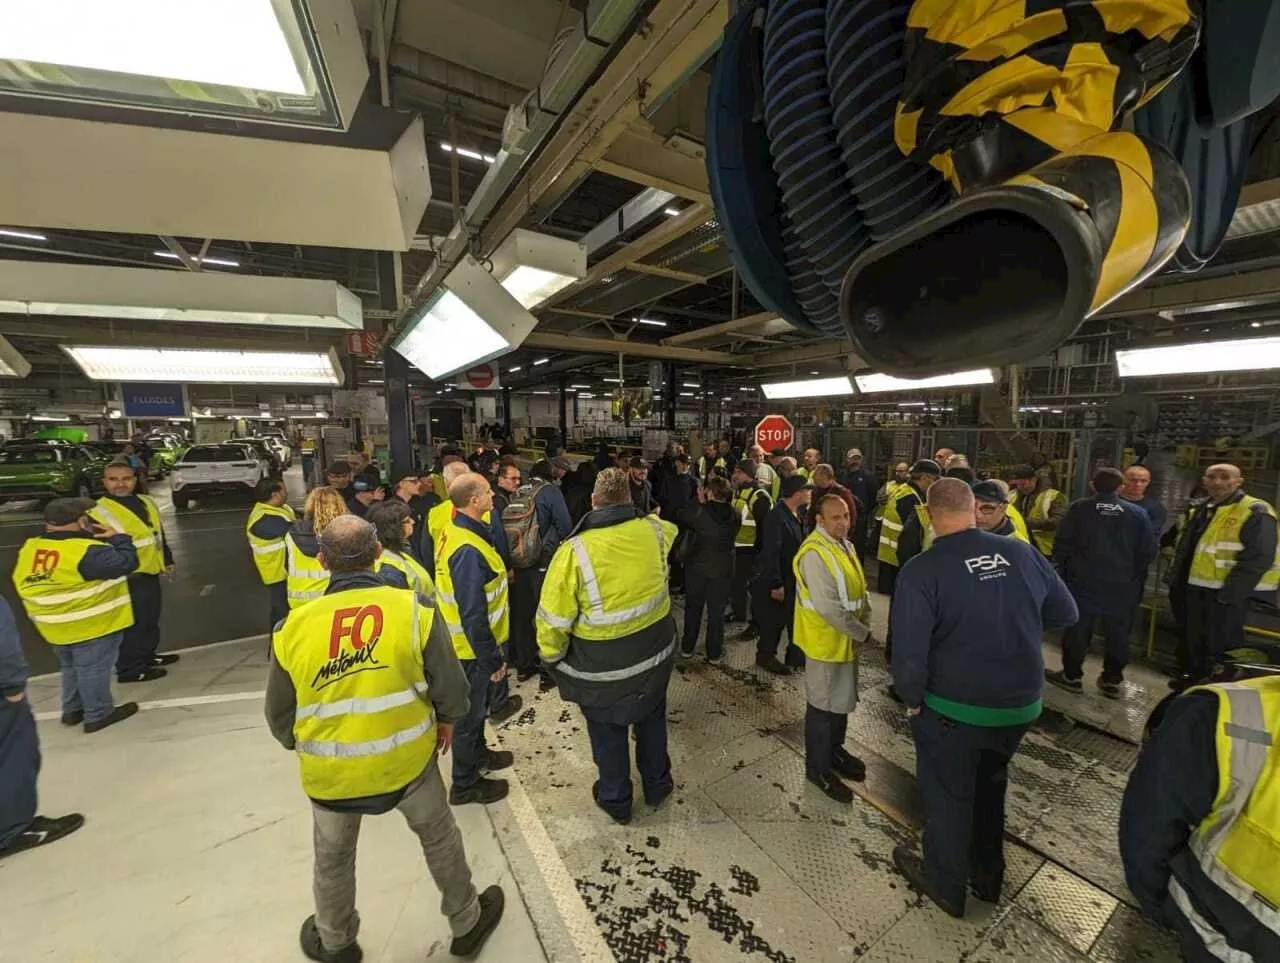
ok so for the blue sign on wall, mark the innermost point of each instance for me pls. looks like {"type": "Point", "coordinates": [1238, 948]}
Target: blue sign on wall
{"type": "Point", "coordinates": [153, 400]}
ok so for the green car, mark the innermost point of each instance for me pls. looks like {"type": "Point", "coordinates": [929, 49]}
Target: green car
{"type": "Point", "coordinates": [48, 471]}
{"type": "Point", "coordinates": [166, 451]}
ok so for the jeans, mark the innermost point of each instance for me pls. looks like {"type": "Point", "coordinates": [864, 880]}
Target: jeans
{"type": "Point", "coordinates": [138, 647]}
{"type": "Point", "coordinates": [709, 592]}
{"type": "Point", "coordinates": [1115, 633]}
{"type": "Point", "coordinates": [425, 807]}
{"type": "Point", "coordinates": [963, 772]}
{"type": "Point", "coordinates": [278, 593]}
{"type": "Point", "coordinates": [86, 676]}
{"type": "Point", "coordinates": [744, 560]}
{"type": "Point", "coordinates": [824, 733]}
{"type": "Point", "coordinates": [526, 590]}
{"type": "Point", "coordinates": [468, 731]}
{"type": "Point", "coordinates": [609, 730]}
{"type": "Point", "coordinates": [19, 767]}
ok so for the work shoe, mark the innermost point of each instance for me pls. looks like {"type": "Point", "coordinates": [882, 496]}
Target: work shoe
{"type": "Point", "coordinates": [988, 892]}
{"type": "Point", "coordinates": [1183, 682]}
{"type": "Point", "coordinates": [547, 682]}
{"type": "Point", "coordinates": [687, 653]}
{"type": "Point", "coordinates": [507, 710]}
{"type": "Point", "coordinates": [912, 867]}
{"type": "Point", "coordinates": [167, 658]}
{"type": "Point", "coordinates": [73, 718]}
{"type": "Point", "coordinates": [495, 760]}
{"type": "Point", "coordinates": [146, 675]}
{"type": "Point", "coordinates": [1059, 678]}
{"type": "Point", "coordinates": [313, 949]}
{"type": "Point", "coordinates": [1109, 685]}
{"type": "Point", "coordinates": [749, 634]}
{"type": "Point", "coordinates": [773, 666]}
{"type": "Point", "coordinates": [832, 786]}
{"type": "Point", "coordinates": [524, 675]}
{"type": "Point", "coordinates": [715, 659]}
{"type": "Point", "coordinates": [41, 831]}
{"type": "Point", "coordinates": [622, 819]}
{"type": "Point", "coordinates": [662, 797]}
{"type": "Point", "coordinates": [118, 714]}
{"type": "Point", "coordinates": [484, 791]}
{"type": "Point", "coordinates": [849, 765]}
{"type": "Point", "coordinates": [469, 944]}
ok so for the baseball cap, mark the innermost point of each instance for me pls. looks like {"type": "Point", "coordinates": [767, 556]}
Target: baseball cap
{"type": "Point", "coordinates": [65, 511]}
{"type": "Point", "coordinates": [338, 469]}
{"type": "Point", "coordinates": [1023, 471]}
{"type": "Point", "coordinates": [638, 462]}
{"type": "Point", "coordinates": [926, 466]}
{"type": "Point", "coordinates": [363, 484]}
{"type": "Point", "coordinates": [989, 492]}
{"type": "Point", "coordinates": [400, 476]}
{"type": "Point", "coordinates": [747, 466]}
{"type": "Point", "coordinates": [778, 452]}
{"type": "Point", "coordinates": [853, 452]}
{"type": "Point", "coordinates": [793, 484]}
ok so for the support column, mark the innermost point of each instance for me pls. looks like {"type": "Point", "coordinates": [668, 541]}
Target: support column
{"type": "Point", "coordinates": [506, 413]}
{"type": "Point", "coordinates": [564, 414]}
{"type": "Point", "coordinates": [395, 373]}
{"type": "Point", "coordinates": [670, 394]}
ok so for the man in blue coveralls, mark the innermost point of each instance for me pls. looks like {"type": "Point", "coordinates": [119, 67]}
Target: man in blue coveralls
{"type": "Point", "coordinates": [968, 616]}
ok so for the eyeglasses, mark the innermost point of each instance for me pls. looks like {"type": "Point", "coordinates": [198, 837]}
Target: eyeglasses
{"type": "Point", "coordinates": [990, 509]}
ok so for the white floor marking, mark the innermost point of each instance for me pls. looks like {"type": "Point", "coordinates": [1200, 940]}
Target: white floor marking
{"type": "Point", "coordinates": [181, 702]}
{"type": "Point", "coordinates": [190, 648]}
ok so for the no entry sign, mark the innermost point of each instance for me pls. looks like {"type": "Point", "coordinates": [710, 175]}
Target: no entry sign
{"type": "Point", "coordinates": [483, 377]}
{"type": "Point", "coordinates": [774, 431]}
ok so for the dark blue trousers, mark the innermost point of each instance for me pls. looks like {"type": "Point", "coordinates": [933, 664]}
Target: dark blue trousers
{"type": "Point", "coordinates": [142, 639]}
{"type": "Point", "coordinates": [609, 731]}
{"type": "Point", "coordinates": [963, 772]}
{"type": "Point", "coordinates": [468, 732]}
{"type": "Point", "coordinates": [19, 767]}
{"type": "Point", "coordinates": [278, 594]}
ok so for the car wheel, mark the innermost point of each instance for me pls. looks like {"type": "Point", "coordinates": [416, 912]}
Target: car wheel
{"type": "Point", "coordinates": [181, 502]}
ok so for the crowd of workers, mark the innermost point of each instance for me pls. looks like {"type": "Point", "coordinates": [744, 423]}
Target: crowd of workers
{"type": "Point", "coordinates": [448, 580]}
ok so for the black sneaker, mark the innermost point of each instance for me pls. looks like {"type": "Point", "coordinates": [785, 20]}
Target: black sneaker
{"type": "Point", "coordinates": [547, 682]}
{"type": "Point", "coordinates": [313, 949]}
{"type": "Point", "coordinates": [146, 675]}
{"type": "Point", "coordinates": [833, 787]}
{"type": "Point", "coordinates": [987, 892]}
{"type": "Point", "coordinates": [507, 710]}
{"type": "Point", "coordinates": [1059, 678]}
{"type": "Point", "coordinates": [42, 830]}
{"type": "Point", "coordinates": [912, 867]}
{"type": "Point", "coordinates": [1183, 682]}
{"type": "Point", "coordinates": [622, 819]}
{"type": "Point", "coordinates": [484, 791]}
{"type": "Point", "coordinates": [848, 765]}
{"type": "Point", "coordinates": [495, 760]}
{"type": "Point", "coordinates": [1109, 685]}
{"type": "Point", "coordinates": [773, 666]}
{"type": "Point", "coordinates": [749, 634]}
{"type": "Point", "coordinates": [73, 718]}
{"type": "Point", "coordinates": [524, 675]}
{"type": "Point", "coordinates": [665, 795]}
{"type": "Point", "coordinates": [469, 944]}
{"type": "Point", "coordinates": [687, 653]}
{"type": "Point", "coordinates": [118, 714]}
{"type": "Point", "coordinates": [167, 658]}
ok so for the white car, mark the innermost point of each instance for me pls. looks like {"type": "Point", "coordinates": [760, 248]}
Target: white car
{"type": "Point", "coordinates": [215, 470]}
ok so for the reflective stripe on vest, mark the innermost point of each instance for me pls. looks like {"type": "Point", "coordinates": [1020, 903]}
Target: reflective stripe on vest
{"type": "Point", "coordinates": [414, 573]}
{"type": "Point", "coordinates": [744, 503]}
{"type": "Point", "coordinates": [1238, 845]}
{"type": "Point", "coordinates": [268, 553]}
{"type": "Point", "coordinates": [146, 535]}
{"type": "Point", "coordinates": [65, 607]}
{"type": "Point", "coordinates": [452, 538]}
{"type": "Point", "coordinates": [818, 638]}
{"type": "Point", "coordinates": [359, 733]}
{"type": "Point", "coordinates": [596, 615]}
{"type": "Point", "coordinates": [305, 578]}
{"type": "Point", "coordinates": [1216, 551]}
{"type": "Point", "coordinates": [891, 527]}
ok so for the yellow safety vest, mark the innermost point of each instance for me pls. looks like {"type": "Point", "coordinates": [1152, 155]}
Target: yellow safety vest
{"type": "Point", "coordinates": [1039, 513]}
{"type": "Point", "coordinates": [1215, 553]}
{"type": "Point", "coordinates": [453, 538]}
{"type": "Point", "coordinates": [414, 573]}
{"type": "Point", "coordinates": [1238, 845]}
{"type": "Point", "coordinates": [437, 518]}
{"type": "Point", "coordinates": [743, 503]}
{"type": "Point", "coordinates": [64, 606]}
{"type": "Point", "coordinates": [305, 578]}
{"type": "Point", "coordinates": [359, 733]}
{"type": "Point", "coordinates": [719, 466]}
{"type": "Point", "coordinates": [1019, 523]}
{"type": "Point", "coordinates": [268, 553]}
{"type": "Point", "coordinates": [803, 472]}
{"type": "Point", "coordinates": [775, 486]}
{"type": "Point", "coordinates": [438, 486]}
{"type": "Point", "coordinates": [604, 588]}
{"type": "Point", "coordinates": [147, 537]}
{"type": "Point", "coordinates": [817, 637]}
{"type": "Point", "coordinates": [891, 491]}
{"type": "Point", "coordinates": [891, 526]}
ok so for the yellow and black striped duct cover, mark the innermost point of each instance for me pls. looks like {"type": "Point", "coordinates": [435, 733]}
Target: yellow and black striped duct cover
{"type": "Point", "coordinates": [1031, 93]}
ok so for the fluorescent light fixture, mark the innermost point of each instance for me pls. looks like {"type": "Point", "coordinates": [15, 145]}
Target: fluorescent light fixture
{"type": "Point", "coordinates": [542, 392]}
{"type": "Point", "coordinates": [586, 396]}
{"type": "Point", "coordinates": [687, 394]}
{"type": "Point", "coordinates": [671, 211]}
{"type": "Point", "coordinates": [1246, 354]}
{"type": "Point", "coordinates": [651, 322]}
{"type": "Point", "coordinates": [1252, 324]}
{"type": "Point", "coordinates": [746, 389]}
{"type": "Point", "coordinates": [206, 366]}
{"type": "Point", "coordinates": [614, 381]}
{"type": "Point", "coordinates": [514, 370]}
{"type": "Point", "coordinates": [12, 364]}
{"type": "Point", "coordinates": [814, 388]}
{"type": "Point", "coordinates": [541, 361]}
{"type": "Point", "coordinates": [160, 294]}
{"type": "Point", "coordinates": [910, 404]}
{"type": "Point", "coordinates": [580, 386]}
{"type": "Point", "coordinates": [215, 261]}
{"type": "Point", "coordinates": [467, 152]}
{"type": "Point", "coordinates": [21, 235]}
{"type": "Point", "coordinates": [471, 319]}
{"type": "Point", "coordinates": [534, 267]}
{"type": "Point", "coordinates": [374, 381]}
{"type": "Point", "coordinates": [687, 384]}
{"type": "Point", "coordinates": [50, 418]}
{"type": "Point", "coordinates": [871, 383]}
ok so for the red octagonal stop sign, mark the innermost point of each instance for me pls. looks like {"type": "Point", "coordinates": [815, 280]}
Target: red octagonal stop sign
{"type": "Point", "coordinates": [774, 431]}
